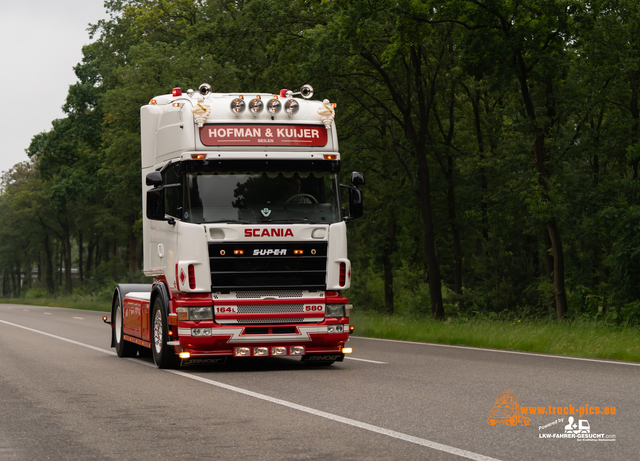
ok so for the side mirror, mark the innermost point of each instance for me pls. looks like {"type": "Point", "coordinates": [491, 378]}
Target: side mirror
{"type": "Point", "coordinates": [356, 207]}
{"type": "Point", "coordinates": [155, 203]}
{"type": "Point", "coordinates": [357, 179]}
{"type": "Point", "coordinates": [154, 179]}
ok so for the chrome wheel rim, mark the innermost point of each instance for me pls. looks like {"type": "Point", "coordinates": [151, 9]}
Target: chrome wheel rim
{"type": "Point", "coordinates": [118, 326]}
{"type": "Point", "coordinates": [157, 331]}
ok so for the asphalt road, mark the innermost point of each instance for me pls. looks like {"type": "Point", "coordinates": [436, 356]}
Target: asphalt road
{"type": "Point", "coordinates": [65, 395]}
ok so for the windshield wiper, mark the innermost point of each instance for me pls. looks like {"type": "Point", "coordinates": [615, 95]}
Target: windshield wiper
{"type": "Point", "coordinates": [228, 221]}
{"type": "Point", "coordinates": [295, 220]}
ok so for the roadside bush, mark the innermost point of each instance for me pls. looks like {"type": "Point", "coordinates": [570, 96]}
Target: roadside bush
{"type": "Point", "coordinates": [36, 293]}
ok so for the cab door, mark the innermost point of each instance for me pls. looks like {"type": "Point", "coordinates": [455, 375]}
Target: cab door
{"type": "Point", "coordinates": [163, 236]}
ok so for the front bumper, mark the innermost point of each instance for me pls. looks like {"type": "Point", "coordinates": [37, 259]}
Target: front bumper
{"type": "Point", "coordinates": [224, 339]}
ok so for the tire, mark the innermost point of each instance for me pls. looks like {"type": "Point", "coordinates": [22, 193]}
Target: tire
{"type": "Point", "coordinates": [124, 348]}
{"type": "Point", "coordinates": [163, 355]}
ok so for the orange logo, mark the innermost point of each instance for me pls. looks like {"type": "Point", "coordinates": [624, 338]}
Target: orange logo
{"type": "Point", "coordinates": [507, 410]}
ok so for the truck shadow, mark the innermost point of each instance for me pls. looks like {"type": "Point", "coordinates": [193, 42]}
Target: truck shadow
{"type": "Point", "coordinates": [252, 365]}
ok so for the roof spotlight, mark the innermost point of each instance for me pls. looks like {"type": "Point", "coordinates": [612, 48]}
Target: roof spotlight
{"type": "Point", "coordinates": [291, 107]}
{"type": "Point", "coordinates": [204, 89]}
{"type": "Point", "coordinates": [256, 106]}
{"type": "Point", "coordinates": [237, 106]}
{"type": "Point", "coordinates": [274, 106]}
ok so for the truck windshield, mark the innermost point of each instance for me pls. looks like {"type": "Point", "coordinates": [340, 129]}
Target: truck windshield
{"type": "Point", "coordinates": [262, 196]}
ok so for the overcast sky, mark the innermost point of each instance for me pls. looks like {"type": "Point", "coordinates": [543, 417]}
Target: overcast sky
{"type": "Point", "coordinates": [41, 41]}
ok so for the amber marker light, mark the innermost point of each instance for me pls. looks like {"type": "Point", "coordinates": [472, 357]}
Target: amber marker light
{"type": "Point", "coordinates": [184, 355]}
{"type": "Point", "coordinates": [298, 252]}
{"type": "Point", "coordinates": [153, 101]}
{"type": "Point", "coordinates": [351, 328]}
{"type": "Point", "coordinates": [198, 156]}
{"type": "Point", "coordinates": [330, 157]}
{"type": "Point", "coordinates": [238, 252]}
{"type": "Point", "coordinates": [104, 319]}
{"type": "Point", "coordinates": [347, 350]}
{"type": "Point", "coordinates": [176, 104]}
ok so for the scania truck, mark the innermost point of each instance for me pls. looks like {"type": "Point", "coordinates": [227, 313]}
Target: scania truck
{"type": "Point", "coordinates": [244, 231]}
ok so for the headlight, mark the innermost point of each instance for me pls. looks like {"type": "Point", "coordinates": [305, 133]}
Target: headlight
{"type": "Point", "coordinates": [200, 313]}
{"type": "Point", "coordinates": [195, 313]}
{"type": "Point", "coordinates": [335, 328]}
{"type": "Point", "coordinates": [335, 310]}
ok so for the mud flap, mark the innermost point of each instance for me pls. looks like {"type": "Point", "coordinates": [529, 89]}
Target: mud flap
{"type": "Point", "coordinates": [319, 358]}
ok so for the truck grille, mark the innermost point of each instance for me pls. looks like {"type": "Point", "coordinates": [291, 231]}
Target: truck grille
{"type": "Point", "coordinates": [272, 293]}
{"type": "Point", "coordinates": [271, 309]}
{"type": "Point", "coordinates": [263, 321]}
{"type": "Point", "coordinates": [268, 266]}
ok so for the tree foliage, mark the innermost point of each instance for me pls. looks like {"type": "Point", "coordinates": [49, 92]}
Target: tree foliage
{"type": "Point", "coordinates": [500, 140]}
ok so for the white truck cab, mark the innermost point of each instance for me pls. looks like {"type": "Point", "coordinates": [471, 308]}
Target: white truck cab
{"type": "Point", "coordinates": [244, 231]}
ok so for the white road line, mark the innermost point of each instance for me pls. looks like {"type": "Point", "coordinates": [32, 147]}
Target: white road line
{"type": "Point", "coordinates": [78, 318]}
{"type": "Point", "coordinates": [294, 406]}
{"type": "Point", "coordinates": [343, 420]}
{"type": "Point", "coordinates": [365, 360]}
{"type": "Point", "coordinates": [47, 313]}
{"type": "Point", "coordinates": [486, 349]}
{"type": "Point", "coordinates": [60, 338]}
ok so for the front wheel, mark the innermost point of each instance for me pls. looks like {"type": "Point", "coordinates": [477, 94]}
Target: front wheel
{"type": "Point", "coordinates": [124, 348]}
{"type": "Point", "coordinates": [163, 355]}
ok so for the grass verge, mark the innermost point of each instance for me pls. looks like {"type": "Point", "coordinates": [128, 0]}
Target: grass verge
{"type": "Point", "coordinates": [82, 302]}
{"type": "Point", "coordinates": [579, 338]}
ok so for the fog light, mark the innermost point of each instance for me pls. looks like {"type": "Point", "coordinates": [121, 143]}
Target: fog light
{"type": "Point", "coordinates": [260, 351]}
{"type": "Point", "coordinates": [279, 350]}
{"type": "Point", "coordinates": [347, 350]}
{"type": "Point", "coordinates": [184, 355]}
{"type": "Point", "coordinates": [242, 352]}
{"type": "Point", "coordinates": [296, 350]}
